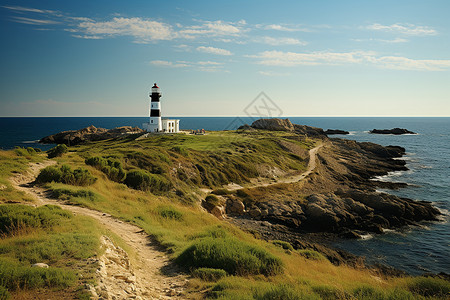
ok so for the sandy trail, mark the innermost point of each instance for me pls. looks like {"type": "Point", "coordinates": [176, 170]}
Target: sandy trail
{"type": "Point", "coordinates": [152, 274]}
{"type": "Point", "coordinates": [288, 179]}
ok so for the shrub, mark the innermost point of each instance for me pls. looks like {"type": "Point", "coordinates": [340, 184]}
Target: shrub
{"type": "Point", "coordinates": [329, 292]}
{"type": "Point", "coordinates": [57, 151]}
{"type": "Point", "coordinates": [144, 181]}
{"type": "Point", "coordinates": [66, 194]}
{"type": "Point", "coordinates": [282, 292]}
{"type": "Point", "coordinates": [112, 168]}
{"type": "Point", "coordinates": [283, 244]}
{"type": "Point", "coordinates": [428, 286]}
{"type": "Point", "coordinates": [311, 254]}
{"type": "Point", "coordinates": [212, 200]}
{"type": "Point", "coordinates": [19, 217]}
{"type": "Point", "coordinates": [180, 150]}
{"type": "Point", "coordinates": [169, 212]}
{"type": "Point", "coordinates": [221, 192]}
{"type": "Point", "coordinates": [231, 255]}
{"type": "Point", "coordinates": [4, 294]}
{"type": "Point", "coordinates": [364, 292]}
{"type": "Point", "coordinates": [209, 274]}
{"type": "Point", "coordinates": [66, 175]}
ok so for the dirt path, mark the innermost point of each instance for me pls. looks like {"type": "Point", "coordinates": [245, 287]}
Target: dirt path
{"type": "Point", "coordinates": [288, 179]}
{"type": "Point", "coordinates": [151, 276]}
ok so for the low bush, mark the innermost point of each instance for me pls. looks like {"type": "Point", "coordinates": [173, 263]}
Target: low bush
{"type": "Point", "coordinates": [144, 181]}
{"type": "Point", "coordinates": [26, 152]}
{"type": "Point", "coordinates": [311, 254]}
{"type": "Point", "coordinates": [67, 194]}
{"type": "Point", "coordinates": [4, 294]}
{"type": "Point", "coordinates": [57, 151]}
{"type": "Point", "coordinates": [169, 212]}
{"type": "Point", "coordinates": [283, 244]}
{"type": "Point", "coordinates": [364, 292]}
{"type": "Point", "coordinates": [209, 274]}
{"type": "Point", "coordinates": [429, 287]}
{"type": "Point", "coordinates": [221, 192]}
{"type": "Point", "coordinates": [212, 200]}
{"type": "Point", "coordinates": [112, 168]}
{"type": "Point", "coordinates": [180, 150]}
{"type": "Point", "coordinates": [14, 218]}
{"type": "Point", "coordinates": [283, 292]}
{"type": "Point", "coordinates": [65, 174]}
{"type": "Point", "coordinates": [14, 276]}
{"type": "Point", "coordinates": [327, 292]}
{"type": "Point", "coordinates": [230, 254]}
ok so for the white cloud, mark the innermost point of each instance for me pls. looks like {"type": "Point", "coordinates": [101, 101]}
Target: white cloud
{"type": "Point", "coordinates": [87, 37]}
{"type": "Point", "coordinates": [204, 66]}
{"type": "Point", "coordinates": [212, 28]}
{"type": "Point", "coordinates": [165, 63]}
{"type": "Point", "coordinates": [279, 58]}
{"type": "Point", "coordinates": [407, 29]}
{"type": "Point", "coordinates": [213, 50]}
{"type": "Point", "coordinates": [273, 74]}
{"type": "Point", "coordinates": [143, 30]}
{"type": "Point", "coordinates": [288, 28]}
{"type": "Point", "coordinates": [392, 41]}
{"type": "Point", "coordinates": [30, 21]}
{"type": "Point", "coordinates": [278, 41]}
{"type": "Point", "coordinates": [29, 9]}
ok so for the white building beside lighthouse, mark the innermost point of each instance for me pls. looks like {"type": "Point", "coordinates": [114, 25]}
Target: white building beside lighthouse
{"type": "Point", "coordinates": [156, 123]}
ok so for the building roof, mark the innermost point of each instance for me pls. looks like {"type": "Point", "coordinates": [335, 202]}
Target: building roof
{"type": "Point", "coordinates": [155, 86]}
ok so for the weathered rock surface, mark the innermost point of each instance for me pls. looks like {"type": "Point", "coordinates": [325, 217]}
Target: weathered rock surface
{"type": "Point", "coordinates": [396, 131]}
{"type": "Point", "coordinates": [285, 125]}
{"type": "Point", "coordinates": [91, 133]}
{"type": "Point", "coordinates": [335, 131]}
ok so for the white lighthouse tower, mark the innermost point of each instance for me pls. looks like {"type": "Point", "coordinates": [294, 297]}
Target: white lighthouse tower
{"type": "Point", "coordinates": [157, 124]}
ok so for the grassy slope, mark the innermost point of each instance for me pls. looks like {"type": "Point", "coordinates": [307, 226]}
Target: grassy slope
{"type": "Point", "coordinates": [176, 222]}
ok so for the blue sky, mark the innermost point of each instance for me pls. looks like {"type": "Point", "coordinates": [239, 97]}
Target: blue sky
{"type": "Point", "coordinates": [212, 58]}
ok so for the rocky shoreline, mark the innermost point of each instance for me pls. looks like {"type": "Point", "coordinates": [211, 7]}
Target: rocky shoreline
{"type": "Point", "coordinates": [338, 200]}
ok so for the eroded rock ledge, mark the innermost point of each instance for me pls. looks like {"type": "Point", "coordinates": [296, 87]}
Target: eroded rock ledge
{"type": "Point", "coordinates": [88, 134]}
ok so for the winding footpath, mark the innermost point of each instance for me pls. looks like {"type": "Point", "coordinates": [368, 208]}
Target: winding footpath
{"type": "Point", "coordinates": [150, 275]}
{"type": "Point", "coordinates": [312, 163]}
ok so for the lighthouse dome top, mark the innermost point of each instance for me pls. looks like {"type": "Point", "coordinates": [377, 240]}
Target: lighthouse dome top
{"type": "Point", "coordinates": [155, 89]}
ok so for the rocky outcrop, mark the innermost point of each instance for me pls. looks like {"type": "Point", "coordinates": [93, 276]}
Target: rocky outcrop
{"type": "Point", "coordinates": [336, 131]}
{"type": "Point", "coordinates": [396, 131]}
{"type": "Point", "coordinates": [285, 125]}
{"type": "Point", "coordinates": [273, 124]}
{"type": "Point", "coordinates": [91, 133]}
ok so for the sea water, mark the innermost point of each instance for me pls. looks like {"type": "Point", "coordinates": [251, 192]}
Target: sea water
{"type": "Point", "coordinates": [415, 250]}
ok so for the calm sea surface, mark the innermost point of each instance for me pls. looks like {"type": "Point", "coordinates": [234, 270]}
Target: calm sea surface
{"type": "Point", "coordinates": [415, 250]}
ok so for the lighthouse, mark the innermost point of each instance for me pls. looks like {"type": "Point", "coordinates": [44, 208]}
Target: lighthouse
{"type": "Point", "coordinates": [158, 124]}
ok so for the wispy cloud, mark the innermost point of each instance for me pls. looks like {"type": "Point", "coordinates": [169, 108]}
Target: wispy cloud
{"type": "Point", "coordinates": [406, 29]}
{"type": "Point", "coordinates": [143, 30]}
{"type": "Point", "coordinates": [273, 74]}
{"type": "Point", "coordinates": [29, 9]}
{"type": "Point", "coordinates": [31, 21]}
{"type": "Point", "coordinates": [204, 66]}
{"type": "Point", "coordinates": [388, 41]}
{"type": "Point", "coordinates": [165, 63]}
{"type": "Point", "coordinates": [283, 27]}
{"type": "Point", "coordinates": [279, 41]}
{"type": "Point", "coordinates": [213, 50]}
{"type": "Point", "coordinates": [289, 59]}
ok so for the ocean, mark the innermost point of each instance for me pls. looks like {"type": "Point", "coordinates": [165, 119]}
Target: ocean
{"type": "Point", "coordinates": [414, 250]}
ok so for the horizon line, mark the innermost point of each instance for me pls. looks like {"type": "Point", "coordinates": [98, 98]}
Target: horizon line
{"type": "Point", "coordinates": [241, 116]}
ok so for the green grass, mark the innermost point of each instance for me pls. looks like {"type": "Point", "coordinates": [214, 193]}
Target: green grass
{"type": "Point", "coordinates": [311, 254]}
{"type": "Point", "coordinates": [429, 287]}
{"type": "Point", "coordinates": [230, 254]}
{"type": "Point", "coordinates": [209, 274]}
{"type": "Point", "coordinates": [50, 235]}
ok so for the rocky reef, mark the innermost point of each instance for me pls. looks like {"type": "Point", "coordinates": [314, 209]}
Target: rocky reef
{"type": "Point", "coordinates": [285, 125]}
{"type": "Point", "coordinates": [336, 131]}
{"type": "Point", "coordinates": [395, 131]}
{"type": "Point", "coordinates": [88, 134]}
